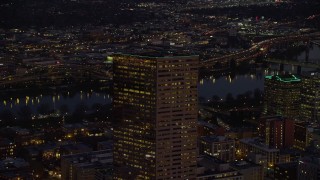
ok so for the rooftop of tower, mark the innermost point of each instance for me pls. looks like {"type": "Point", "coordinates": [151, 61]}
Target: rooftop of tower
{"type": "Point", "coordinates": [287, 78]}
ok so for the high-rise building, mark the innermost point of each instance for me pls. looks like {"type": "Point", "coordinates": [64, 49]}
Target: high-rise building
{"type": "Point", "coordinates": [310, 97]}
{"type": "Point", "coordinates": [282, 95]}
{"type": "Point", "coordinates": [278, 132]}
{"type": "Point", "coordinates": [155, 107]}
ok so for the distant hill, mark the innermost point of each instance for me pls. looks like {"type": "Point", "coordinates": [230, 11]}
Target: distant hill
{"type": "Point", "coordinates": [44, 13]}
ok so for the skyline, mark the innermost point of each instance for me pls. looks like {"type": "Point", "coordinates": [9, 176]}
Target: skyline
{"type": "Point", "coordinates": [124, 90]}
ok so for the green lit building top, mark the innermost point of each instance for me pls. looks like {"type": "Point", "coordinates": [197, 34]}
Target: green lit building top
{"type": "Point", "coordinates": [282, 95]}
{"type": "Point", "coordinates": [284, 78]}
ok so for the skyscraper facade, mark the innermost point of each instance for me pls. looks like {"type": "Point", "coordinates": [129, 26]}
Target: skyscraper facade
{"type": "Point", "coordinates": [310, 97]}
{"type": "Point", "coordinates": [155, 109]}
{"type": "Point", "coordinates": [282, 95]}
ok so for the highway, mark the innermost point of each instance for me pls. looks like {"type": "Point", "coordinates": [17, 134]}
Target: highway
{"type": "Point", "coordinates": [55, 74]}
{"type": "Point", "coordinates": [294, 63]}
{"type": "Point", "coordinates": [61, 71]}
{"type": "Point", "coordinates": [257, 49]}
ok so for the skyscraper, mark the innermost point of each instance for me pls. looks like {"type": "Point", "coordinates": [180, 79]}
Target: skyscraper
{"type": "Point", "coordinates": [282, 95]}
{"type": "Point", "coordinates": [155, 107]}
{"type": "Point", "coordinates": [310, 97]}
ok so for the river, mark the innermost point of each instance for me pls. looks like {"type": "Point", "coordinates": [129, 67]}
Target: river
{"type": "Point", "coordinates": [208, 87]}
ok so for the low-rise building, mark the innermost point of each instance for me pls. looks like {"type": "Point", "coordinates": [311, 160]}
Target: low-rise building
{"type": "Point", "coordinates": [256, 151]}
{"type": "Point", "coordinates": [302, 135]}
{"type": "Point", "coordinates": [218, 146]}
{"type": "Point", "coordinates": [15, 168]}
{"type": "Point", "coordinates": [286, 171]}
{"type": "Point", "coordinates": [249, 170]}
{"type": "Point", "coordinates": [309, 168]}
{"type": "Point", "coordinates": [7, 148]}
{"type": "Point", "coordinates": [87, 166]}
{"type": "Point", "coordinates": [213, 168]}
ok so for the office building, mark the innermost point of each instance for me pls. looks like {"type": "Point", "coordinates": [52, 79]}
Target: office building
{"type": "Point", "coordinates": [256, 151]}
{"type": "Point", "coordinates": [213, 168]}
{"type": "Point", "coordinates": [219, 147]}
{"type": "Point", "coordinates": [309, 168]}
{"type": "Point", "coordinates": [310, 97]}
{"type": "Point", "coordinates": [155, 107]}
{"type": "Point", "coordinates": [286, 171]}
{"type": "Point", "coordinates": [278, 132]}
{"type": "Point", "coordinates": [282, 95]}
{"type": "Point", "coordinates": [75, 148]}
{"type": "Point", "coordinates": [15, 168]}
{"type": "Point", "coordinates": [249, 170]}
{"type": "Point", "coordinates": [302, 135]}
{"type": "Point", "coordinates": [87, 166]}
{"type": "Point", "coordinates": [209, 129]}
{"type": "Point", "coordinates": [7, 148]}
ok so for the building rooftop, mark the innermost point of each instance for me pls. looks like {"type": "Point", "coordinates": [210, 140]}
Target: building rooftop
{"type": "Point", "coordinates": [207, 160]}
{"type": "Point", "coordinates": [209, 173]}
{"type": "Point", "coordinates": [288, 165]}
{"type": "Point", "coordinates": [256, 142]}
{"type": "Point", "coordinates": [89, 159]}
{"type": "Point", "coordinates": [206, 124]}
{"type": "Point", "coordinates": [273, 118]}
{"type": "Point", "coordinates": [13, 163]}
{"type": "Point", "coordinates": [5, 142]}
{"type": "Point", "coordinates": [215, 138]}
{"type": "Point", "coordinates": [74, 148]}
{"type": "Point", "coordinates": [243, 164]}
{"type": "Point", "coordinates": [311, 74]}
{"type": "Point", "coordinates": [310, 159]}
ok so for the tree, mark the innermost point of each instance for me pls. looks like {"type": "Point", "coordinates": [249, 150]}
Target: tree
{"type": "Point", "coordinates": [201, 100]}
{"type": "Point", "coordinates": [6, 118]}
{"type": "Point", "coordinates": [44, 108]}
{"type": "Point", "coordinates": [257, 94]}
{"type": "Point", "coordinates": [25, 113]}
{"type": "Point", "coordinates": [248, 94]}
{"type": "Point", "coordinates": [229, 98]}
{"type": "Point", "coordinates": [96, 106]}
{"type": "Point", "coordinates": [217, 65]}
{"type": "Point", "coordinates": [64, 109]}
{"type": "Point", "coordinates": [240, 98]}
{"type": "Point", "coordinates": [79, 112]}
{"type": "Point", "coordinates": [233, 64]}
{"type": "Point", "coordinates": [215, 98]}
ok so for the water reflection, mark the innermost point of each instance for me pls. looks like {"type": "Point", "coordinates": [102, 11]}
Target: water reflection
{"type": "Point", "coordinates": [221, 86]}
{"type": "Point", "coordinates": [55, 101]}
{"type": "Point", "coordinates": [238, 84]}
